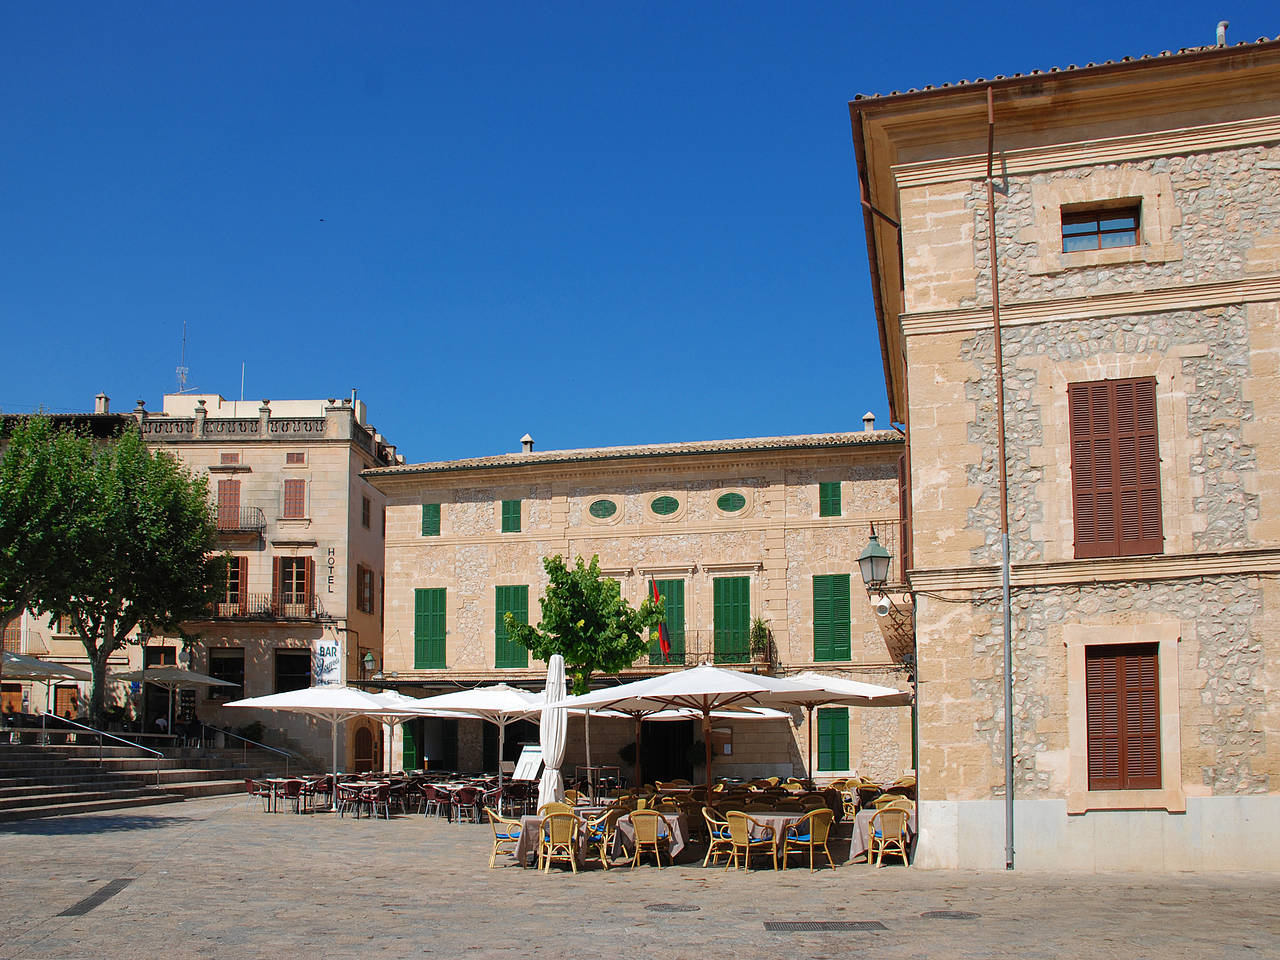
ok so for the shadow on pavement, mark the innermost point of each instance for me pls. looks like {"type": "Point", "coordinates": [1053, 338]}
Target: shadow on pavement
{"type": "Point", "coordinates": [64, 826]}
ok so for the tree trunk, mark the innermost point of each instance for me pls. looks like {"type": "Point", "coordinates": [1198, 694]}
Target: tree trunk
{"type": "Point", "coordinates": [98, 695]}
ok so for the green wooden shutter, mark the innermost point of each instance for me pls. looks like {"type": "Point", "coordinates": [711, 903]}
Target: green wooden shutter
{"type": "Point", "coordinates": [410, 759]}
{"type": "Point", "coordinates": [829, 499]}
{"type": "Point", "coordinates": [732, 617]}
{"type": "Point", "coordinates": [833, 738]}
{"type": "Point", "coordinates": [510, 516]}
{"type": "Point", "coordinates": [831, 626]}
{"type": "Point", "coordinates": [672, 593]}
{"type": "Point", "coordinates": [429, 628]}
{"type": "Point", "coordinates": [515, 600]}
{"type": "Point", "coordinates": [431, 519]}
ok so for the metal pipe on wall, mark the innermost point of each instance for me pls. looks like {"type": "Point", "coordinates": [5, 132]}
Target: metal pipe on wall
{"type": "Point", "coordinates": [1004, 486]}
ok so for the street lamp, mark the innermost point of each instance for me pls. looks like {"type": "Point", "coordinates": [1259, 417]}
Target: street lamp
{"type": "Point", "coordinates": [873, 563]}
{"type": "Point", "coordinates": [368, 663]}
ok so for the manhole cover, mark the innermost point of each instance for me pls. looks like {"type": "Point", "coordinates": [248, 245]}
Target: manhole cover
{"type": "Point", "coordinates": [97, 898]}
{"type": "Point", "coordinates": [672, 907]}
{"type": "Point", "coordinates": [950, 915]}
{"type": "Point", "coordinates": [821, 926]}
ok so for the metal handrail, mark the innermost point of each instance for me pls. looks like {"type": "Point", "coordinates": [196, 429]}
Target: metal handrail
{"type": "Point", "coordinates": [102, 733]}
{"type": "Point", "coordinates": [244, 756]}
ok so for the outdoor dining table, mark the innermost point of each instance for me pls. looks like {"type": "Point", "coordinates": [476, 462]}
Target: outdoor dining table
{"type": "Point", "coordinates": [860, 843]}
{"type": "Point", "coordinates": [624, 835]}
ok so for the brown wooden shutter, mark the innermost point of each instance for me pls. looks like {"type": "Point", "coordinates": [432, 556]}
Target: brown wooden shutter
{"type": "Point", "coordinates": [1141, 720]}
{"type": "Point", "coordinates": [228, 504]}
{"type": "Point", "coordinates": [277, 583]}
{"type": "Point", "coordinates": [309, 584]}
{"type": "Point", "coordinates": [1123, 710]}
{"type": "Point", "coordinates": [1115, 468]}
{"type": "Point", "coordinates": [243, 574]}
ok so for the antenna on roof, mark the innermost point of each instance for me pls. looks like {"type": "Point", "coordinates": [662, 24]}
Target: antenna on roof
{"type": "Point", "coordinates": [182, 370]}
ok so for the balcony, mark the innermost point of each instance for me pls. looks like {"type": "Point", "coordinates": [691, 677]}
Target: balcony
{"type": "Point", "coordinates": [268, 607]}
{"type": "Point", "coordinates": [700, 646]}
{"type": "Point", "coordinates": [244, 521]}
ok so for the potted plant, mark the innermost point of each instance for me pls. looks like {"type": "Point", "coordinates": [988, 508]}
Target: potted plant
{"type": "Point", "coordinates": [760, 637]}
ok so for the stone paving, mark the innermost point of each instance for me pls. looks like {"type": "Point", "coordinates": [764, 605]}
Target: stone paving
{"type": "Point", "coordinates": [218, 878]}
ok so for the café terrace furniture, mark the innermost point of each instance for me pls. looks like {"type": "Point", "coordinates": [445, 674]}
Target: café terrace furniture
{"type": "Point", "coordinates": [888, 834]}
{"type": "Point", "coordinates": [651, 833]}
{"type": "Point", "coordinates": [748, 836]}
{"type": "Point", "coordinates": [809, 833]}
{"type": "Point", "coordinates": [719, 840]}
{"type": "Point", "coordinates": [558, 840]}
{"type": "Point", "coordinates": [600, 833]}
{"type": "Point", "coordinates": [506, 834]}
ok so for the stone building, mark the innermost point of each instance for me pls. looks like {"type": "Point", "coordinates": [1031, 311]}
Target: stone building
{"type": "Point", "coordinates": [726, 531]}
{"type": "Point", "coordinates": [1137, 246]}
{"type": "Point", "coordinates": [304, 529]}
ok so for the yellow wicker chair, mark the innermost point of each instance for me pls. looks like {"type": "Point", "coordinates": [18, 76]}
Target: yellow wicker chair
{"type": "Point", "coordinates": [651, 834]}
{"type": "Point", "coordinates": [748, 836]}
{"type": "Point", "coordinates": [558, 840]}
{"type": "Point", "coordinates": [554, 807]}
{"type": "Point", "coordinates": [888, 829]}
{"type": "Point", "coordinates": [600, 833]}
{"type": "Point", "coordinates": [810, 833]}
{"type": "Point", "coordinates": [718, 838]}
{"type": "Point", "coordinates": [506, 832]}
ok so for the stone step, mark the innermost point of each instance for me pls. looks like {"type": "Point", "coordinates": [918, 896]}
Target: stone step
{"type": "Point", "coordinates": [206, 788]}
{"type": "Point", "coordinates": [92, 806]}
{"type": "Point", "coordinates": [57, 799]}
{"type": "Point", "coordinates": [8, 792]}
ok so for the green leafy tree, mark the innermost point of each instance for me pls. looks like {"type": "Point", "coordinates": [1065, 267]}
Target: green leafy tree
{"type": "Point", "coordinates": [586, 621]}
{"type": "Point", "coordinates": [110, 535]}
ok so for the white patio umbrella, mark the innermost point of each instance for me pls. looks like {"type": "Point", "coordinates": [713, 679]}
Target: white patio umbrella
{"type": "Point", "coordinates": [332, 703]}
{"type": "Point", "coordinates": [841, 691]}
{"type": "Point", "coordinates": [702, 689]}
{"type": "Point", "coordinates": [553, 734]}
{"type": "Point", "coordinates": [498, 703]}
{"type": "Point", "coordinates": [171, 679]}
{"type": "Point", "coordinates": [16, 666]}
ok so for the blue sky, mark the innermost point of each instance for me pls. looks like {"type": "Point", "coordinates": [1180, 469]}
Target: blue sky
{"type": "Point", "coordinates": [598, 223]}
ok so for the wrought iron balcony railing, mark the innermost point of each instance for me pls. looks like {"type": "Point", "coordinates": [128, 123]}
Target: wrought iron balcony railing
{"type": "Point", "coordinates": [241, 520]}
{"type": "Point", "coordinates": [267, 606]}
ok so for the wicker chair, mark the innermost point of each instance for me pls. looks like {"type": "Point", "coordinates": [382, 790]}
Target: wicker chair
{"type": "Point", "coordinates": [600, 833]}
{"type": "Point", "coordinates": [888, 829]}
{"type": "Point", "coordinates": [718, 838]}
{"type": "Point", "coordinates": [651, 834]}
{"type": "Point", "coordinates": [554, 806]}
{"type": "Point", "coordinates": [558, 840]}
{"type": "Point", "coordinates": [810, 833]}
{"type": "Point", "coordinates": [506, 833]}
{"type": "Point", "coordinates": [748, 836]}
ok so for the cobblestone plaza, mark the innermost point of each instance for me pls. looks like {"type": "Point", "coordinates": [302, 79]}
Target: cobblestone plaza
{"type": "Point", "coordinates": [218, 878]}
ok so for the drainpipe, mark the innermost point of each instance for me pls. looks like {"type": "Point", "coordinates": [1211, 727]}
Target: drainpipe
{"type": "Point", "coordinates": [1006, 605]}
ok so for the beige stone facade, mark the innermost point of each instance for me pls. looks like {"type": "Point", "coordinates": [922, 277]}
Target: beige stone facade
{"type": "Point", "coordinates": [697, 514]}
{"type": "Point", "coordinates": [1191, 142]}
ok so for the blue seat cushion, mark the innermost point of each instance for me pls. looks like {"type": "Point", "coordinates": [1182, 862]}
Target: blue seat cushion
{"type": "Point", "coordinates": [801, 837]}
{"type": "Point", "coordinates": [509, 836]}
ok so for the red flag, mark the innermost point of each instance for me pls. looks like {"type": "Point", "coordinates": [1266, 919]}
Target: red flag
{"type": "Point", "coordinates": [663, 643]}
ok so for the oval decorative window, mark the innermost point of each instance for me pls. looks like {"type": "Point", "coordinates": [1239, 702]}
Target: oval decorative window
{"type": "Point", "coordinates": [664, 506]}
{"type": "Point", "coordinates": [731, 502]}
{"type": "Point", "coordinates": [603, 509]}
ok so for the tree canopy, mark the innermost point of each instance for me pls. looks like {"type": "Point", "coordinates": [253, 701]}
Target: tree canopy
{"type": "Point", "coordinates": [586, 620]}
{"type": "Point", "coordinates": [108, 534]}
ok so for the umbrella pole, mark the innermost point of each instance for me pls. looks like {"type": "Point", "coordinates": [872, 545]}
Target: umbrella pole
{"type": "Point", "coordinates": [706, 742]}
{"type": "Point", "coordinates": [169, 729]}
{"type": "Point", "coordinates": [808, 758]}
{"type": "Point", "coordinates": [591, 777]}
{"type": "Point", "coordinates": [502, 736]}
{"type": "Point", "coordinates": [639, 770]}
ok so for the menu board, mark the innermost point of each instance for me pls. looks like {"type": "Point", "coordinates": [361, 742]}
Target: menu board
{"type": "Point", "coordinates": [530, 763]}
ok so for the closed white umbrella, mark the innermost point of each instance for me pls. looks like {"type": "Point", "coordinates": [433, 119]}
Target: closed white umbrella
{"type": "Point", "coordinates": [331, 703]}
{"type": "Point", "coordinates": [498, 703]}
{"type": "Point", "coordinates": [553, 734]}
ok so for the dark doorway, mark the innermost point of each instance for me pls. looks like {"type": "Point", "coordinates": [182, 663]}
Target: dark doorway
{"type": "Point", "coordinates": [518, 734]}
{"type": "Point", "coordinates": [156, 696]}
{"type": "Point", "coordinates": [666, 750]}
{"type": "Point", "coordinates": [363, 750]}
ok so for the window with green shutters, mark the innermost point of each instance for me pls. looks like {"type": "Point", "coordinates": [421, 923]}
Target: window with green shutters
{"type": "Point", "coordinates": [431, 519]}
{"type": "Point", "coordinates": [731, 598]}
{"type": "Point", "coordinates": [510, 516]}
{"type": "Point", "coordinates": [428, 628]}
{"type": "Point", "coordinates": [513, 600]}
{"type": "Point", "coordinates": [829, 499]}
{"type": "Point", "coordinates": [672, 593]}
{"type": "Point", "coordinates": [831, 630]}
{"type": "Point", "coordinates": [833, 738]}
{"type": "Point", "coordinates": [411, 759]}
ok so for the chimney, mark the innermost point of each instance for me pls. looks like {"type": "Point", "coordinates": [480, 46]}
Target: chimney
{"type": "Point", "coordinates": [102, 403]}
{"type": "Point", "coordinates": [526, 444]}
{"type": "Point", "coordinates": [868, 422]}
{"type": "Point", "coordinates": [1222, 32]}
